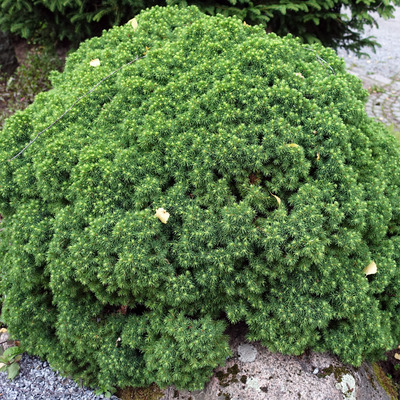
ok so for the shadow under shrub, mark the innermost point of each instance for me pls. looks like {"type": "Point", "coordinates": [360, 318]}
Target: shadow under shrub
{"type": "Point", "coordinates": [279, 187]}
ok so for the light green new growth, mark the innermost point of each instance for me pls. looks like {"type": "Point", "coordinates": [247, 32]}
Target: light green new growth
{"type": "Point", "coordinates": [73, 104]}
{"type": "Point", "coordinates": [280, 192]}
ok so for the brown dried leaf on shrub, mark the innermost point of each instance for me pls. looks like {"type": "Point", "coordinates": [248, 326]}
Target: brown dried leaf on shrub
{"type": "Point", "coordinates": [162, 215]}
{"type": "Point", "coordinates": [95, 62]}
{"type": "Point", "coordinates": [134, 23]}
{"type": "Point", "coordinates": [277, 199]}
{"type": "Point", "coordinates": [370, 269]}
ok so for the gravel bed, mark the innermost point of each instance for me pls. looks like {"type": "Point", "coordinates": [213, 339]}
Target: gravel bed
{"type": "Point", "coordinates": [37, 381]}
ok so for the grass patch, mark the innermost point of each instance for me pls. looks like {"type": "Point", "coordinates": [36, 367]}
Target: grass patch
{"type": "Point", "coordinates": [394, 130]}
{"type": "Point", "coordinates": [376, 89]}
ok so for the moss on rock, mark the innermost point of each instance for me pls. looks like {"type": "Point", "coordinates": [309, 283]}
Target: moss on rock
{"type": "Point", "coordinates": [385, 382]}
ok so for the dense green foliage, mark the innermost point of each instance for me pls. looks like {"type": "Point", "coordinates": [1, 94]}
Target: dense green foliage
{"type": "Point", "coordinates": [280, 192]}
{"type": "Point", "coordinates": [72, 20]}
{"type": "Point", "coordinates": [324, 21]}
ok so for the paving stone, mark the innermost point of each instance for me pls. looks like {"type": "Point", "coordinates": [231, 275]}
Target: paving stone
{"type": "Point", "coordinates": [380, 79]}
{"type": "Point", "coordinates": [381, 70]}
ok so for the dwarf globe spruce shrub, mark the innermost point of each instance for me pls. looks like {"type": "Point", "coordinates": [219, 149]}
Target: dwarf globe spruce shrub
{"type": "Point", "coordinates": [280, 191]}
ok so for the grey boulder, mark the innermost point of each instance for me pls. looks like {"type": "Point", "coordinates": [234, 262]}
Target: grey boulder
{"type": "Point", "coordinates": [255, 373]}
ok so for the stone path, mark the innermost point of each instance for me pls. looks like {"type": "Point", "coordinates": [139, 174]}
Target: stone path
{"type": "Point", "coordinates": [385, 105]}
{"type": "Point", "coordinates": [380, 72]}
{"type": "Point", "coordinates": [384, 99]}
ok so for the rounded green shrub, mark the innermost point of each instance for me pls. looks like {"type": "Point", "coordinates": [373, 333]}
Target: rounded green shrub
{"type": "Point", "coordinates": [280, 191]}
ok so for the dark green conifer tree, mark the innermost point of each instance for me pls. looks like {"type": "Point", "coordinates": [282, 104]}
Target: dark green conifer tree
{"type": "Point", "coordinates": [280, 192]}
